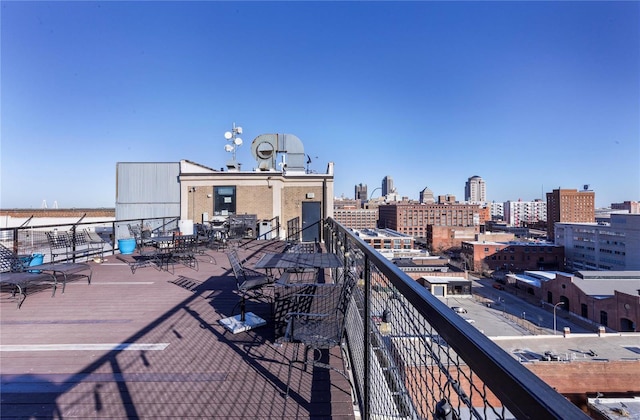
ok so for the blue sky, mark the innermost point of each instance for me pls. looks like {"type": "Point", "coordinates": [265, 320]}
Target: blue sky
{"type": "Point", "coordinates": [530, 96]}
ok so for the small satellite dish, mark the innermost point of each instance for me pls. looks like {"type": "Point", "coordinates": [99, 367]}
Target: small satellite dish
{"type": "Point", "coordinates": [228, 135]}
{"type": "Point", "coordinates": [237, 141]}
{"type": "Point", "coordinates": [228, 148]}
{"type": "Point", "coordinates": [239, 130]}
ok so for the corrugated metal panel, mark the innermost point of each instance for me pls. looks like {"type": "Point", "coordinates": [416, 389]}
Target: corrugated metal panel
{"type": "Point", "coordinates": [147, 189]}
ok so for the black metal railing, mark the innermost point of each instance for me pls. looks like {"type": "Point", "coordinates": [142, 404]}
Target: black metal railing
{"type": "Point", "coordinates": [410, 355]}
{"type": "Point", "coordinates": [33, 239]}
{"type": "Point", "coordinates": [413, 357]}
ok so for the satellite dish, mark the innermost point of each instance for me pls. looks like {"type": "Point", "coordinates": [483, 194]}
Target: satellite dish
{"type": "Point", "coordinates": [228, 135]}
{"type": "Point", "coordinates": [228, 148]}
{"type": "Point", "coordinates": [237, 141]}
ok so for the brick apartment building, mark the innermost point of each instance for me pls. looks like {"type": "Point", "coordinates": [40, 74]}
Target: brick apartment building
{"type": "Point", "coordinates": [569, 206]}
{"type": "Point", "coordinates": [414, 219]}
{"type": "Point", "coordinates": [356, 218]}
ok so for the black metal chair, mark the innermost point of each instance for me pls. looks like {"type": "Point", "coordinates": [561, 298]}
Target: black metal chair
{"type": "Point", "coordinates": [95, 242]}
{"type": "Point", "coordinates": [142, 236]}
{"type": "Point", "coordinates": [249, 283]}
{"type": "Point", "coordinates": [184, 250]}
{"type": "Point", "coordinates": [13, 272]}
{"type": "Point", "coordinates": [318, 323]}
{"type": "Point", "coordinates": [68, 245]}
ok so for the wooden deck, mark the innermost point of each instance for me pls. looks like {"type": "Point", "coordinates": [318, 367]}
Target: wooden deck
{"type": "Point", "coordinates": [149, 345]}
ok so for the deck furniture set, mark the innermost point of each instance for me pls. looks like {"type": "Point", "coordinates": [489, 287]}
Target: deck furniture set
{"type": "Point", "coordinates": [163, 251]}
{"type": "Point", "coordinates": [306, 312]}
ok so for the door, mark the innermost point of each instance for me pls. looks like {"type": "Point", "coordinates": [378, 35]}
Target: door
{"type": "Point", "coordinates": [310, 221]}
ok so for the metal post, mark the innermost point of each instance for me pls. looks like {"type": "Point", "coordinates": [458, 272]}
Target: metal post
{"type": "Point", "coordinates": [554, 316]}
{"type": "Point", "coordinates": [367, 339]}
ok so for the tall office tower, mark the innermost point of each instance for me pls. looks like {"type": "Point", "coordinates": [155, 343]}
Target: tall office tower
{"type": "Point", "coordinates": [475, 191]}
{"type": "Point", "coordinates": [426, 196]}
{"type": "Point", "coordinates": [569, 206]}
{"type": "Point", "coordinates": [361, 192]}
{"type": "Point", "coordinates": [387, 185]}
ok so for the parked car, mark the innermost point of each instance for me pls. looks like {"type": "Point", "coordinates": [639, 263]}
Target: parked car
{"type": "Point", "coordinates": [459, 309]}
{"type": "Point", "coordinates": [498, 286]}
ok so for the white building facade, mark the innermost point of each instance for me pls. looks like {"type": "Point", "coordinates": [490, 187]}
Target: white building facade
{"type": "Point", "coordinates": [606, 247]}
{"type": "Point", "coordinates": [518, 212]}
{"type": "Point", "coordinates": [497, 211]}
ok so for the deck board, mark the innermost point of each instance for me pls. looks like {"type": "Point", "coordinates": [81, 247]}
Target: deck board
{"type": "Point", "coordinates": [204, 371]}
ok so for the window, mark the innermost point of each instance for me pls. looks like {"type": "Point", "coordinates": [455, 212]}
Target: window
{"type": "Point", "coordinates": [224, 201]}
{"type": "Point", "coordinates": [604, 318]}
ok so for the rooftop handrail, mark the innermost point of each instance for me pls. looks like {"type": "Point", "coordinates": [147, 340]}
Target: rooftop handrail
{"type": "Point", "coordinates": [516, 388]}
{"type": "Point", "coordinates": [446, 347]}
{"type": "Point", "coordinates": [28, 239]}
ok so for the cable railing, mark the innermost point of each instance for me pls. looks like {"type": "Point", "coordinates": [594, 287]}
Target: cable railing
{"type": "Point", "coordinates": [412, 357]}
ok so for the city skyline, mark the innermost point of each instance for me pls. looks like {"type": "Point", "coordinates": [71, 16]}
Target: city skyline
{"type": "Point", "coordinates": [531, 96]}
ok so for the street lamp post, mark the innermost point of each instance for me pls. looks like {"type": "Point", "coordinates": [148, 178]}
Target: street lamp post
{"type": "Point", "coordinates": [554, 316]}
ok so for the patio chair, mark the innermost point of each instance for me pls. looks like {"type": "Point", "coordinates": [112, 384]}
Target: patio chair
{"type": "Point", "coordinates": [95, 242]}
{"type": "Point", "coordinates": [14, 275]}
{"type": "Point", "coordinates": [184, 250]}
{"type": "Point", "coordinates": [318, 324]}
{"type": "Point", "coordinates": [65, 269]}
{"type": "Point", "coordinates": [249, 283]}
{"type": "Point", "coordinates": [142, 236]}
{"type": "Point", "coordinates": [67, 245]}
{"type": "Point", "coordinates": [204, 241]}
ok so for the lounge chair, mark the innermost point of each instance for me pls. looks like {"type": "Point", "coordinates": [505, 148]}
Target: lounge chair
{"type": "Point", "coordinates": [10, 259]}
{"type": "Point", "coordinates": [14, 275]}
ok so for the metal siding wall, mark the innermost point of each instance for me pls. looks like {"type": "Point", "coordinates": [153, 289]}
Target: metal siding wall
{"type": "Point", "coordinates": [147, 190]}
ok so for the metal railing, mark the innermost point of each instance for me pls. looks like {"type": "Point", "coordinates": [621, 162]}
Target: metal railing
{"type": "Point", "coordinates": [33, 239]}
{"type": "Point", "coordinates": [412, 357]}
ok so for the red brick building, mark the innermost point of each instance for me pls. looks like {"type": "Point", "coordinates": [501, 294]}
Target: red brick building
{"type": "Point", "coordinates": [445, 238]}
{"type": "Point", "coordinates": [569, 206]}
{"type": "Point", "coordinates": [413, 219]}
{"type": "Point", "coordinates": [356, 218]}
{"type": "Point", "coordinates": [512, 256]}
{"type": "Point", "coordinates": [608, 298]}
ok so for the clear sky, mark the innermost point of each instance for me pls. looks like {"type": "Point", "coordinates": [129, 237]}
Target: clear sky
{"type": "Point", "coordinates": [530, 96]}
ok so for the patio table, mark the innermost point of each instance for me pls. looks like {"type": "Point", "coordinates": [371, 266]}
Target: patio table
{"type": "Point", "coordinates": [295, 260]}
{"type": "Point", "coordinates": [293, 280]}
